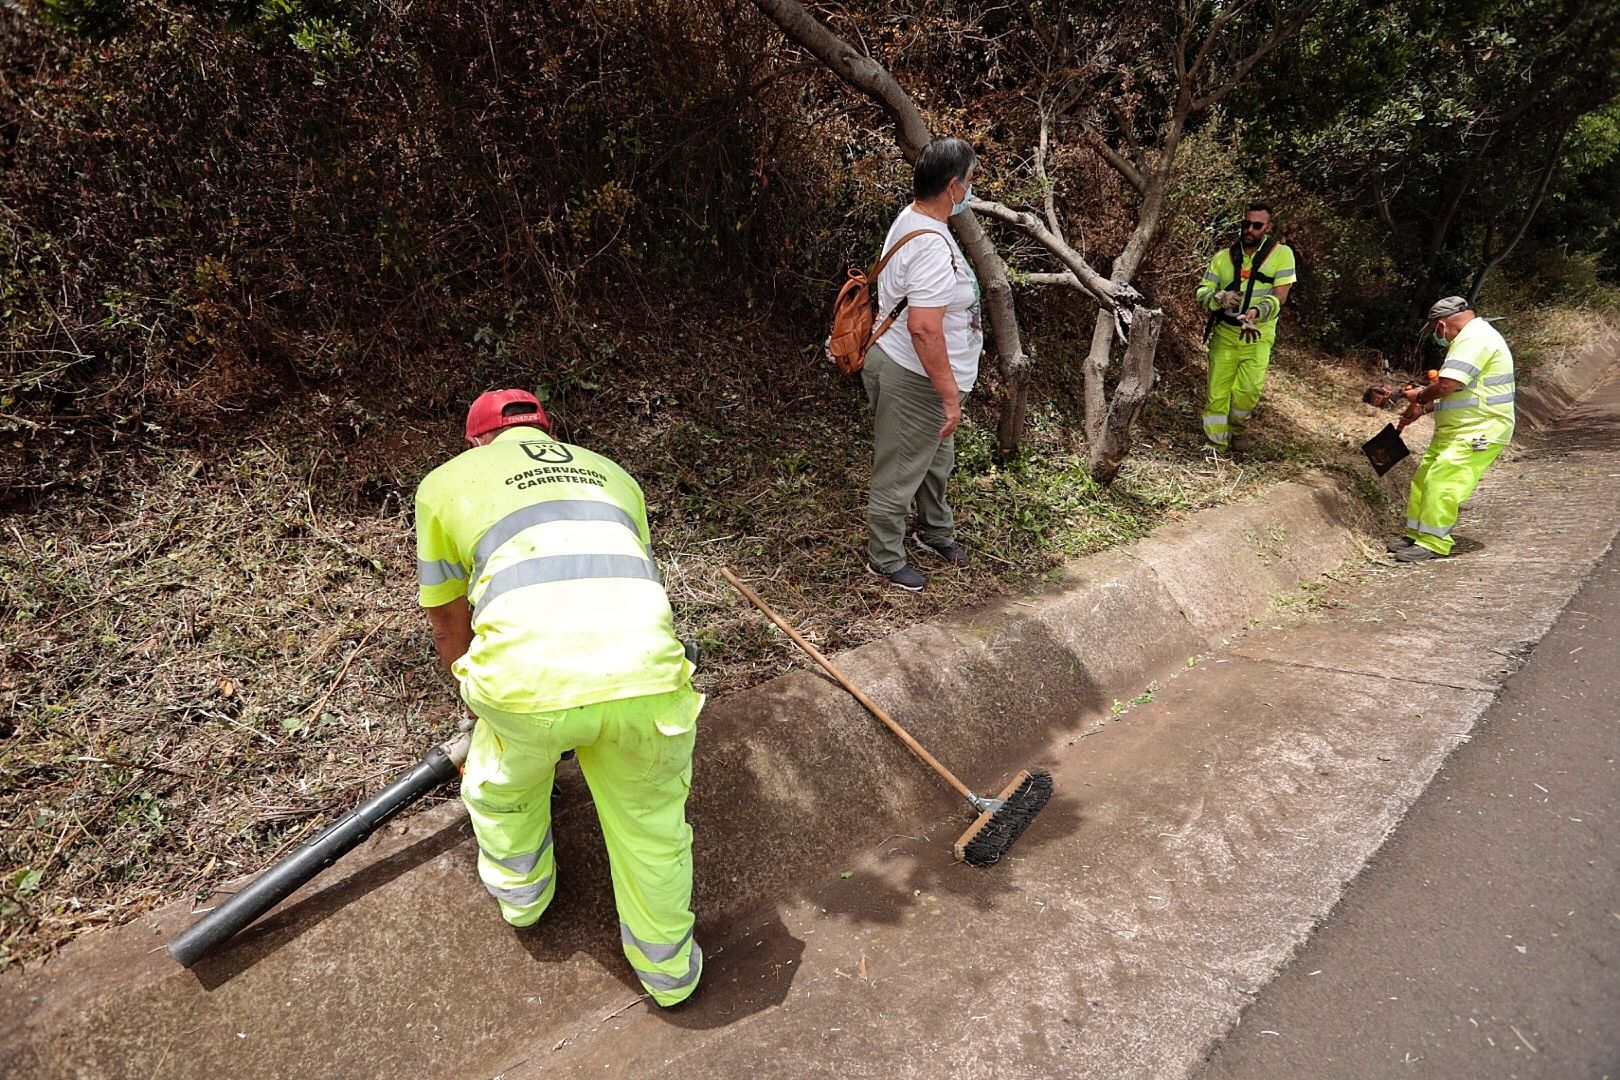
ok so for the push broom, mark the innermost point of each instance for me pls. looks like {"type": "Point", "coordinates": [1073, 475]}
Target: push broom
{"type": "Point", "coordinates": [1000, 820]}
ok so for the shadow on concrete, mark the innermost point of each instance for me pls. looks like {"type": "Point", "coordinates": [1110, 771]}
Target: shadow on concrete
{"type": "Point", "coordinates": [286, 925]}
{"type": "Point", "coordinates": [583, 921]}
{"type": "Point", "coordinates": [760, 834]}
{"type": "Point", "coordinates": [920, 865]}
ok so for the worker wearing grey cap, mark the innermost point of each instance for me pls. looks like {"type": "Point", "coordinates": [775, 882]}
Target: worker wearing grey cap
{"type": "Point", "coordinates": [1472, 402]}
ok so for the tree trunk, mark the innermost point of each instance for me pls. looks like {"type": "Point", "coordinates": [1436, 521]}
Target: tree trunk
{"type": "Point", "coordinates": [1492, 261]}
{"type": "Point", "coordinates": [1099, 408]}
{"type": "Point", "coordinates": [1095, 376]}
{"type": "Point", "coordinates": [872, 79]}
{"type": "Point", "coordinates": [1107, 451]}
{"type": "Point", "coordinates": [1435, 246]}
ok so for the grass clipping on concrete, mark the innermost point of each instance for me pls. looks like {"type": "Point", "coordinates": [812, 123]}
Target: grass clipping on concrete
{"type": "Point", "coordinates": [201, 676]}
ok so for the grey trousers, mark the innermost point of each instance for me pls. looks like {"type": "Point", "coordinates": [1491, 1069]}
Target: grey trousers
{"type": "Point", "coordinates": [910, 463]}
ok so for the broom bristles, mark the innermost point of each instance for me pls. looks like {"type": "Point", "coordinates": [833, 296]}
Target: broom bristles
{"type": "Point", "coordinates": [989, 837]}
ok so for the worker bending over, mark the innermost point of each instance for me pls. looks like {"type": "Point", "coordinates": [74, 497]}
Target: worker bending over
{"type": "Point", "coordinates": [1243, 288]}
{"type": "Point", "coordinates": [1472, 402]}
{"type": "Point", "coordinates": [535, 566]}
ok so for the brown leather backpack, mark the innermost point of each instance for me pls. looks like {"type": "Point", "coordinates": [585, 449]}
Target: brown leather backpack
{"type": "Point", "coordinates": [852, 330]}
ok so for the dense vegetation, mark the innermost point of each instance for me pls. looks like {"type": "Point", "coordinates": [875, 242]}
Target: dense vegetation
{"type": "Point", "coordinates": [214, 206]}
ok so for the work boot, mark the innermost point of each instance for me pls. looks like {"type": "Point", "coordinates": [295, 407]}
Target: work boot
{"type": "Point", "coordinates": [904, 578]}
{"type": "Point", "coordinates": [951, 552]}
{"type": "Point", "coordinates": [1400, 543]}
{"type": "Point", "coordinates": [1416, 553]}
{"type": "Point", "coordinates": [1241, 444]}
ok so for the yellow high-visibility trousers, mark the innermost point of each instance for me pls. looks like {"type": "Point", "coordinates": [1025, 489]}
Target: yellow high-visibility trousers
{"type": "Point", "coordinates": [1446, 477]}
{"type": "Point", "coordinates": [636, 756]}
{"type": "Point", "coordinates": [1237, 372]}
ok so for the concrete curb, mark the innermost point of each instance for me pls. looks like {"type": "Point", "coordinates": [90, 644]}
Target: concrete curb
{"type": "Point", "coordinates": [981, 686]}
{"type": "Point", "coordinates": [1553, 389]}
{"type": "Point", "coordinates": [790, 776]}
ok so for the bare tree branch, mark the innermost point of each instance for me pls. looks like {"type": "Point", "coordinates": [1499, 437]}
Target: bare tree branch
{"type": "Point", "coordinates": [1125, 129]}
{"type": "Point", "coordinates": [1281, 32]}
{"type": "Point", "coordinates": [1047, 39]}
{"type": "Point", "coordinates": [861, 72]}
{"type": "Point", "coordinates": [1111, 296]}
{"type": "Point", "coordinates": [1047, 194]}
{"type": "Point", "coordinates": [1493, 261]}
{"type": "Point", "coordinates": [1133, 176]}
{"type": "Point", "coordinates": [1381, 197]}
{"type": "Point", "coordinates": [1212, 37]}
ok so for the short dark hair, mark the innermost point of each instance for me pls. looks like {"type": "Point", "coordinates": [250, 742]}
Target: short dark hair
{"type": "Point", "coordinates": [1261, 207]}
{"type": "Point", "coordinates": [517, 408]}
{"type": "Point", "coordinates": [941, 161]}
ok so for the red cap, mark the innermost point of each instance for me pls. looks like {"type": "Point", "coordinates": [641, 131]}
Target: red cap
{"type": "Point", "coordinates": [485, 414]}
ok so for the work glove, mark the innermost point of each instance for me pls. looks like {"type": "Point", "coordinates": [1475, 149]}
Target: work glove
{"type": "Point", "coordinates": [1228, 300]}
{"type": "Point", "coordinates": [1248, 332]}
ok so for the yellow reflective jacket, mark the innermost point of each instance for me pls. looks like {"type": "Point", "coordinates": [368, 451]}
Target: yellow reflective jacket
{"type": "Point", "coordinates": [1480, 359]}
{"type": "Point", "coordinates": [550, 545]}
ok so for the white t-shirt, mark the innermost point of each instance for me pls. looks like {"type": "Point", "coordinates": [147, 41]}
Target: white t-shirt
{"type": "Point", "coordinates": [931, 273]}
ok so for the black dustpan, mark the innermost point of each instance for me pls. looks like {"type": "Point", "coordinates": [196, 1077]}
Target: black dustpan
{"type": "Point", "coordinates": [1385, 449]}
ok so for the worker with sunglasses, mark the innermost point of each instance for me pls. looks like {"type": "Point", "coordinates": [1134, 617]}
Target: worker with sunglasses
{"type": "Point", "coordinates": [1243, 288]}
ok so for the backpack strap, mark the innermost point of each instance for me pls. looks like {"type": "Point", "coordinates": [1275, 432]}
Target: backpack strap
{"type": "Point", "coordinates": [877, 269]}
{"type": "Point", "coordinates": [1254, 273]}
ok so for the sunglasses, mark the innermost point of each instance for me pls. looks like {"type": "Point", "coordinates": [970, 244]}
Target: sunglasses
{"type": "Point", "coordinates": [1254, 224]}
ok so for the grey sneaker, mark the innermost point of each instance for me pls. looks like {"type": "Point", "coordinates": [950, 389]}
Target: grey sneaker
{"type": "Point", "coordinates": [953, 553]}
{"type": "Point", "coordinates": [1416, 553]}
{"type": "Point", "coordinates": [904, 578]}
{"type": "Point", "coordinates": [1400, 543]}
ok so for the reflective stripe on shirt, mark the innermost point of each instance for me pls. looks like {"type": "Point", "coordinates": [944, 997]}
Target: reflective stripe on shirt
{"type": "Point", "coordinates": [541, 513]}
{"type": "Point", "coordinates": [439, 571]}
{"type": "Point", "coordinates": [549, 568]}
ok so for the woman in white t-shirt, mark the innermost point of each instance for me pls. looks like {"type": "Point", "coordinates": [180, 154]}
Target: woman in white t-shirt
{"type": "Point", "coordinates": [920, 371]}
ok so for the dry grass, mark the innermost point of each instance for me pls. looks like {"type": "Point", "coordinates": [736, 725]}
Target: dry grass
{"type": "Point", "coordinates": [202, 674]}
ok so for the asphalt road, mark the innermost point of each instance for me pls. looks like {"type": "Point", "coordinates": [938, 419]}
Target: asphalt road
{"type": "Point", "coordinates": [1484, 939]}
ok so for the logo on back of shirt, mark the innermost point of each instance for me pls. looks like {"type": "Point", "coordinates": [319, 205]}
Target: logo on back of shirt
{"type": "Point", "coordinates": [552, 453]}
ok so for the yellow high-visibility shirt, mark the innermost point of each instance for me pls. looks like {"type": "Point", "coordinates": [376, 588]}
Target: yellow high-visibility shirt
{"type": "Point", "coordinates": [549, 543]}
{"type": "Point", "coordinates": [1278, 265]}
{"type": "Point", "coordinates": [1480, 359]}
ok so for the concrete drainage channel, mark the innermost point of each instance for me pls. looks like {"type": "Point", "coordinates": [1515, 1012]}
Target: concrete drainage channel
{"type": "Point", "coordinates": [395, 964]}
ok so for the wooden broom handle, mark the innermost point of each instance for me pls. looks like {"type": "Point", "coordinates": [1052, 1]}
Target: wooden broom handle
{"type": "Point", "coordinates": [871, 706]}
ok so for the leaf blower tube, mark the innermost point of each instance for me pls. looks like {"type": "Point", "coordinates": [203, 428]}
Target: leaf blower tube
{"type": "Point", "coordinates": [280, 881]}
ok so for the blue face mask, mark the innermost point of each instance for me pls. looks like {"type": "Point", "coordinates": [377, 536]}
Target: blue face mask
{"type": "Point", "coordinates": [957, 208]}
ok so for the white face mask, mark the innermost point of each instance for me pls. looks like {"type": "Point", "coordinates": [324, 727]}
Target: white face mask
{"type": "Point", "coordinates": [957, 208]}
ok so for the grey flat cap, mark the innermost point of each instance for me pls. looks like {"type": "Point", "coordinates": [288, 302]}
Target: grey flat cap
{"type": "Point", "coordinates": [1451, 305]}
